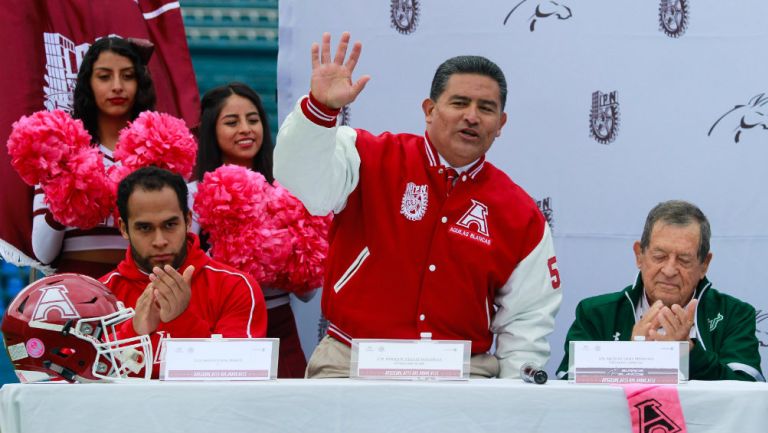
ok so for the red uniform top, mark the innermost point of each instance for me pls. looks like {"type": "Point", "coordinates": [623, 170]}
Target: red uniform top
{"type": "Point", "coordinates": [224, 300]}
{"type": "Point", "coordinates": [409, 256]}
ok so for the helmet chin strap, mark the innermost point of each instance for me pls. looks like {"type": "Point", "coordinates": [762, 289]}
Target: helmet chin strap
{"type": "Point", "coordinates": [66, 373]}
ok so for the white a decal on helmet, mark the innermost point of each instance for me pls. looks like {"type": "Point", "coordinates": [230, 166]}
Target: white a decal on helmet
{"type": "Point", "coordinates": [54, 298]}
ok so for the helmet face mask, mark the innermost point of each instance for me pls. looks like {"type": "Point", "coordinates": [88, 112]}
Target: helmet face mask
{"type": "Point", "coordinates": [66, 326]}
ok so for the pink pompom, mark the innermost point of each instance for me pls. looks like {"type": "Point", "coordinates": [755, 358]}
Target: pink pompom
{"type": "Point", "coordinates": [157, 139]}
{"type": "Point", "coordinates": [262, 229]}
{"type": "Point", "coordinates": [230, 205]}
{"type": "Point", "coordinates": [115, 174]}
{"type": "Point", "coordinates": [305, 265]}
{"type": "Point", "coordinates": [230, 194]}
{"type": "Point", "coordinates": [53, 149]}
{"type": "Point", "coordinates": [40, 144]}
{"type": "Point", "coordinates": [82, 195]}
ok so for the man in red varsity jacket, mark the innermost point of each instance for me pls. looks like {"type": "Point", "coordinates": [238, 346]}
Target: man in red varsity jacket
{"type": "Point", "coordinates": [175, 288]}
{"type": "Point", "coordinates": [428, 236]}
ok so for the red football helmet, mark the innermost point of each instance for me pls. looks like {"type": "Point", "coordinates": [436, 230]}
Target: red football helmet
{"type": "Point", "coordinates": [65, 326]}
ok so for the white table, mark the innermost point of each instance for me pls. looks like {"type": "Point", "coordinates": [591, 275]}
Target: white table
{"type": "Point", "coordinates": [343, 405]}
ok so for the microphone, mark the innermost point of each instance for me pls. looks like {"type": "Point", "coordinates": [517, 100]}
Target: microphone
{"type": "Point", "coordinates": [532, 373]}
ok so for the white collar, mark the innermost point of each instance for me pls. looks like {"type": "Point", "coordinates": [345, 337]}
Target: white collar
{"type": "Point", "coordinates": [459, 170]}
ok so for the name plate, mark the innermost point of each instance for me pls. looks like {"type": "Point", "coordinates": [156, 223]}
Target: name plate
{"type": "Point", "coordinates": [410, 359]}
{"type": "Point", "coordinates": [620, 362]}
{"type": "Point", "coordinates": [199, 359]}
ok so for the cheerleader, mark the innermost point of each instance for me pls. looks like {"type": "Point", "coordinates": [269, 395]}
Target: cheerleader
{"type": "Point", "coordinates": [113, 87]}
{"type": "Point", "coordinates": [234, 130]}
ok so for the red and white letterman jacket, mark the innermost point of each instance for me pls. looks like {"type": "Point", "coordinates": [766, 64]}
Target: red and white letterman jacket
{"type": "Point", "coordinates": [224, 300]}
{"type": "Point", "coordinates": [406, 256]}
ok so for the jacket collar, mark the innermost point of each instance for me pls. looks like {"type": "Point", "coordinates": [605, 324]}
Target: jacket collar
{"type": "Point", "coordinates": [195, 256]}
{"type": "Point", "coordinates": [635, 291]}
{"type": "Point", "coordinates": [434, 159]}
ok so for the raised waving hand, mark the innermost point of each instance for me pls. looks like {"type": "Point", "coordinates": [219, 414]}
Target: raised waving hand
{"type": "Point", "coordinates": [331, 82]}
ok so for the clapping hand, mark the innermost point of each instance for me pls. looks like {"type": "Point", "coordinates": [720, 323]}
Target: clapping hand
{"type": "Point", "coordinates": [164, 299]}
{"type": "Point", "coordinates": [172, 290]}
{"type": "Point", "coordinates": [676, 322]}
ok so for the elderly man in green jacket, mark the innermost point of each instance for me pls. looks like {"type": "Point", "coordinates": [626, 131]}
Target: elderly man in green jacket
{"type": "Point", "coordinates": [673, 300]}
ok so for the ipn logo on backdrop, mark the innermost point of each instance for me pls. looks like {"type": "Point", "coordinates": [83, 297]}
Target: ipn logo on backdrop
{"type": "Point", "coordinates": [63, 59]}
{"type": "Point", "coordinates": [742, 118]}
{"type": "Point", "coordinates": [673, 17]}
{"type": "Point", "coordinates": [545, 206]}
{"type": "Point", "coordinates": [404, 15]}
{"type": "Point", "coordinates": [604, 116]}
{"type": "Point", "coordinates": [344, 116]}
{"type": "Point", "coordinates": [537, 10]}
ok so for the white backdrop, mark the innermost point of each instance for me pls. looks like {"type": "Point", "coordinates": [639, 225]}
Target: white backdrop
{"type": "Point", "coordinates": [600, 174]}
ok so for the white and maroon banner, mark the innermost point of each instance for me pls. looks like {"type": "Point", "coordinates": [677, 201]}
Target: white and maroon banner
{"type": "Point", "coordinates": [614, 106]}
{"type": "Point", "coordinates": [43, 43]}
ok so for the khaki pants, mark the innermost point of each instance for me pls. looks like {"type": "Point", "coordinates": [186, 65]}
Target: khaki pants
{"type": "Point", "coordinates": [331, 358]}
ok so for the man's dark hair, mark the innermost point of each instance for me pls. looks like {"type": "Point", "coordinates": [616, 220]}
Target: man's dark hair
{"type": "Point", "coordinates": [678, 213]}
{"type": "Point", "coordinates": [84, 106]}
{"type": "Point", "coordinates": [468, 65]}
{"type": "Point", "coordinates": [151, 179]}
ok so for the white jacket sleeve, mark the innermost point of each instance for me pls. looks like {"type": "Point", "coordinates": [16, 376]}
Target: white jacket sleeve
{"type": "Point", "coordinates": [527, 305]}
{"type": "Point", "coordinates": [191, 193]}
{"type": "Point", "coordinates": [47, 234]}
{"type": "Point", "coordinates": [317, 163]}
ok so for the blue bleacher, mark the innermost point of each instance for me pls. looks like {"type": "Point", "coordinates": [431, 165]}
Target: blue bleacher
{"type": "Point", "coordinates": [235, 40]}
{"type": "Point", "coordinates": [12, 280]}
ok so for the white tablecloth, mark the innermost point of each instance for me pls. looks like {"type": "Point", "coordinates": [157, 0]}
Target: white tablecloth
{"type": "Point", "coordinates": [344, 405]}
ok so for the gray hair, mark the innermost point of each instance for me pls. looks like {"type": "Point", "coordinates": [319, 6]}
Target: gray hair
{"type": "Point", "coordinates": [468, 65]}
{"type": "Point", "coordinates": [679, 213]}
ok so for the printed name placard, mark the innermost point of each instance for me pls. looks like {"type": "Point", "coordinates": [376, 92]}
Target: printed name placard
{"type": "Point", "coordinates": [196, 359]}
{"type": "Point", "coordinates": [619, 362]}
{"type": "Point", "coordinates": [410, 359]}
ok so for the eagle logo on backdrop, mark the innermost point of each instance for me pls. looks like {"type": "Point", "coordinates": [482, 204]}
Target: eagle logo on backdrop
{"type": "Point", "coordinates": [750, 116]}
{"type": "Point", "coordinates": [604, 116]}
{"type": "Point", "coordinates": [540, 10]}
{"type": "Point", "coordinates": [673, 17]}
{"type": "Point", "coordinates": [545, 206]}
{"type": "Point", "coordinates": [404, 15]}
{"type": "Point", "coordinates": [344, 116]}
{"type": "Point", "coordinates": [414, 203]}
{"type": "Point", "coordinates": [54, 298]}
{"type": "Point", "coordinates": [762, 327]}
{"type": "Point", "coordinates": [653, 419]}
{"type": "Point", "coordinates": [63, 59]}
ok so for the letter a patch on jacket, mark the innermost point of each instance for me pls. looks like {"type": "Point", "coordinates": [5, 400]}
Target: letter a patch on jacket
{"type": "Point", "coordinates": [415, 200]}
{"type": "Point", "coordinates": [476, 216]}
{"type": "Point", "coordinates": [474, 224]}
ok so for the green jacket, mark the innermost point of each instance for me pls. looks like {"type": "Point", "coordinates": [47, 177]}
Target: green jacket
{"type": "Point", "coordinates": [726, 347]}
